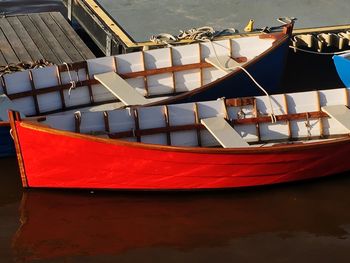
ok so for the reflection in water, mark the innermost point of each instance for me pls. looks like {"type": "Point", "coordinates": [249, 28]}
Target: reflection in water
{"type": "Point", "coordinates": [62, 225]}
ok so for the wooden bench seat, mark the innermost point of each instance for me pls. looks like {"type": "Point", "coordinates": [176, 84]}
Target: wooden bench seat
{"type": "Point", "coordinates": [226, 63]}
{"type": "Point", "coordinates": [121, 89]}
{"type": "Point", "coordinates": [340, 113]}
{"type": "Point", "coordinates": [223, 132]}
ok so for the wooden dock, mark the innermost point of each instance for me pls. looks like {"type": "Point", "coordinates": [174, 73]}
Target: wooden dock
{"type": "Point", "coordinates": [47, 36]}
{"type": "Point", "coordinates": [113, 39]}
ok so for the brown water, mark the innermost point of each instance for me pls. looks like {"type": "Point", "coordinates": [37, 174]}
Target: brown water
{"type": "Point", "coordinates": [300, 222]}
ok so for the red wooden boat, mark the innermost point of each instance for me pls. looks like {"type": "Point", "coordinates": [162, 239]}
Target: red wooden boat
{"type": "Point", "coordinates": [218, 144]}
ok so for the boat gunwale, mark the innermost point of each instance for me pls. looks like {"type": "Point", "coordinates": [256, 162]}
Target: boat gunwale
{"type": "Point", "coordinates": [199, 150]}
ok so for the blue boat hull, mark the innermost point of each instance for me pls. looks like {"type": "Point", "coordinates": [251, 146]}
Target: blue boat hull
{"type": "Point", "coordinates": [7, 147]}
{"type": "Point", "coordinates": [342, 64]}
{"type": "Point", "coordinates": [267, 71]}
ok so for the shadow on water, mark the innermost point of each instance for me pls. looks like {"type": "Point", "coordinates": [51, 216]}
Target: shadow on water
{"type": "Point", "coordinates": [11, 7]}
{"type": "Point", "coordinates": [10, 182]}
{"type": "Point", "coordinates": [80, 226]}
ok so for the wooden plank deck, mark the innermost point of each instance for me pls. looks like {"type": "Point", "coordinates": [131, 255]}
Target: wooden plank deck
{"type": "Point", "coordinates": [32, 37]}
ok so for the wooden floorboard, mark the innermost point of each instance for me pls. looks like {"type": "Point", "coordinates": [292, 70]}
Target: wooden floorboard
{"type": "Point", "coordinates": [61, 38]}
{"type": "Point", "coordinates": [25, 38]}
{"type": "Point", "coordinates": [72, 35]}
{"type": "Point", "coordinates": [2, 60]}
{"type": "Point", "coordinates": [48, 36]}
{"type": "Point", "coordinates": [14, 41]}
{"type": "Point", "coordinates": [39, 41]}
{"type": "Point", "coordinates": [7, 50]}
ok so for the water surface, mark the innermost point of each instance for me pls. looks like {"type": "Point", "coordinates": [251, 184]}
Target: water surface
{"type": "Point", "coordinates": [143, 18]}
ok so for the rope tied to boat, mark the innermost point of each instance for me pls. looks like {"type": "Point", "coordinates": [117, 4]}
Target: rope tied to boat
{"type": "Point", "coordinates": [308, 125]}
{"type": "Point", "coordinates": [72, 82]}
{"type": "Point", "coordinates": [272, 114]}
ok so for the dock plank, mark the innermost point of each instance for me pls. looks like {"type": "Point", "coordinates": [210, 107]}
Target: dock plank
{"type": "Point", "coordinates": [72, 35]}
{"type": "Point", "coordinates": [37, 36]}
{"type": "Point", "coordinates": [7, 50]}
{"type": "Point", "coordinates": [50, 38]}
{"type": "Point", "coordinates": [39, 41]}
{"type": "Point", "coordinates": [14, 40]}
{"type": "Point", "coordinates": [2, 60]}
{"type": "Point", "coordinates": [61, 38]}
{"type": "Point", "coordinates": [31, 47]}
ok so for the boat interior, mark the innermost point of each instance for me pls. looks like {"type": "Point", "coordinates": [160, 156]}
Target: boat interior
{"type": "Point", "coordinates": [303, 117]}
{"type": "Point", "coordinates": [153, 74]}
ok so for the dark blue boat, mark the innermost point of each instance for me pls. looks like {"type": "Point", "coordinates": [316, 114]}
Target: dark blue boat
{"type": "Point", "coordinates": [7, 147]}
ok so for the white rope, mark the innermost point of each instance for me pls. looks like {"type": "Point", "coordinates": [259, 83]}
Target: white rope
{"type": "Point", "coordinates": [72, 82]}
{"type": "Point", "coordinates": [11, 134]}
{"type": "Point", "coordinates": [272, 115]}
{"type": "Point", "coordinates": [320, 53]}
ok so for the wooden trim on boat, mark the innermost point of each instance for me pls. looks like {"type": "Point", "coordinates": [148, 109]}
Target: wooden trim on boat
{"type": "Point", "coordinates": [283, 117]}
{"type": "Point", "coordinates": [197, 124]}
{"type": "Point", "coordinates": [286, 106]}
{"type": "Point", "coordinates": [319, 109]}
{"type": "Point", "coordinates": [13, 118]}
{"type": "Point", "coordinates": [343, 139]}
{"type": "Point", "coordinates": [77, 121]}
{"type": "Point", "coordinates": [167, 124]}
{"type": "Point", "coordinates": [172, 72]}
{"type": "Point", "coordinates": [88, 82]}
{"type": "Point", "coordinates": [4, 124]}
{"type": "Point", "coordinates": [59, 79]}
{"type": "Point", "coordinates": [35, 97]}
{"type": "Point", "coordinates": [237, 102]}
{"type": "Point", "coordinates": [137, 125]}
{"type": "Point", "coordinates": [256, 114]}
{"type": "Point", "coordinates": [106, 121]}
{"type": "Point", "coordinates": [145, 80]}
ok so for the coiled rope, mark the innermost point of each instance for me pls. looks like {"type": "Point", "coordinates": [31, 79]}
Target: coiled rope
{"type": "Point", "coordinates": [194, 34]}
{"type": "Point", "coordinates": [12, 67]}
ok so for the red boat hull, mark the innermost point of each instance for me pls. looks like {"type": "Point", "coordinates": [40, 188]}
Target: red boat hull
{"type": "Point", "coordinates": [59, 159]}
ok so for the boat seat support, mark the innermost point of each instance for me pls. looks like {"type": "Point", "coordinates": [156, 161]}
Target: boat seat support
{"type": "Point", "coordinates": [223, 132]}
{"type": "Point", "coordinates": [121, 89]}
